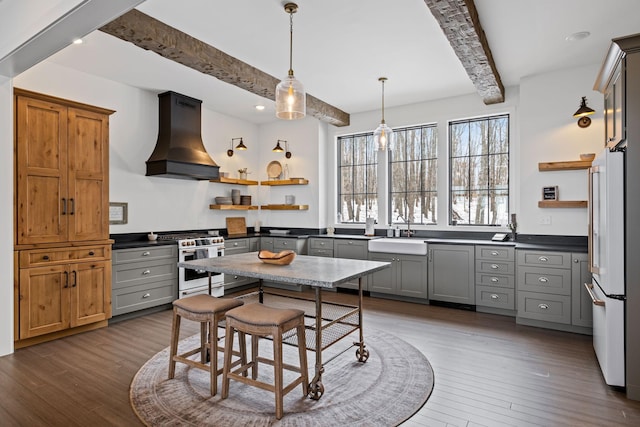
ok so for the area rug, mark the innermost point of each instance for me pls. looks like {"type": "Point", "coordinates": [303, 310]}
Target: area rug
{"type": "Point", "coordinates": [390, 387]}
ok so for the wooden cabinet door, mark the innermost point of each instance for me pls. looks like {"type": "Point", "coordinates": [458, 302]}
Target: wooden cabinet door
{"type": "Point", "coordinates": [450, 271]}
{"type": "Point", "coordinates": [90, 286]}
{"type": "Point", "coordinates": [88, 138]}
{"type": "Point", "coordinates": [44, 300]}
{"type": "Point", "coordinates": [41, 166]}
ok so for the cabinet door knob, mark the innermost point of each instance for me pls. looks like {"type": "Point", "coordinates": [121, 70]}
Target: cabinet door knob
{"type": "Point", "coordinates": [146, 272]}
{"type": "Point", "coordinates": [45, 257]}
{"type": "Point", "coordinates": [495, 280]}
{"type": "Point", "coordinates": [543, 259]}
{"type": "Point", "coordinates": [543, 279]}
{"type": "Point", "coordinates": [543, 306]}
{"type": "Point", "coordinates": [576, 261]}
{"type": "Point", "coordinates": [495, 296]}
{"type": "Point", "coordinates": [91, 253]}
{"type": "Point", "coordinates": [495, 266]}
{"type": "Point", "coordinates": [147, 295]}
{"type": "Point", "coordinates": [146, 253]}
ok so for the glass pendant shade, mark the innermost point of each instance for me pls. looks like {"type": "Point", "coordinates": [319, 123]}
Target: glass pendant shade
{"type": "Point", "coordinates": [383, 137]}
{"type": "Point", "coordinates": [291, 101]}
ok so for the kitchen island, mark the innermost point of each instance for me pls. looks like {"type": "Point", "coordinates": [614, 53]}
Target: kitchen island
{"type": "Point", "coordinates": [317, 272]}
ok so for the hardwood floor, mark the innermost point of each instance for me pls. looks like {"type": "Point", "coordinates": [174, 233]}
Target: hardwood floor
{"type": "Point", "coordinates": [488, 371]}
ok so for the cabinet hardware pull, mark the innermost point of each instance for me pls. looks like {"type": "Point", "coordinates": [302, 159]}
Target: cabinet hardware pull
{"type": "Point", "coordinates": [92, 253]}
{"type": "Point", "coordinates": [235, 277]}
{"type": "Point", "coordinates": [72, 206]}
{"type": "Point", "coordinates": [611, 138]}
{"type": "Point", "coordinates": [495, 266]}
{"type": "Point", "coordinates": [75, 279]}
{"type": "Point", "coordinates": [543, 259]}
{"type": "Point", "coordinates": [45, 258]}
{"type": "Point", "coordinates": [593, 297]}
{"type": "Point", "coordinates": [64, 206]}
{"type": "Point", "coordinates": [235, 243]}
{"type": "Point", "coordinates": [543, 306]}
{"type": "Point", "coordinates": [146, 295]}
{"type": "Point", "coordinates": [495, 279]}
{"type": "Point", "coordinates": [146, 272]}
{"type": "Point", "coordinates": [494, 253]}
{"type": "Point", "coordinates": [146, 253]}
{"type": "Point", "coordinates": [321, 243]}
{"type": "Point", "coordinates": [66, 279]}
{"type": "Point", "coordinates": [543, 279]}
{"type": "Point", "coordinates": [494, 296]}
{"type": "Point", "coordinates": [576, 260]}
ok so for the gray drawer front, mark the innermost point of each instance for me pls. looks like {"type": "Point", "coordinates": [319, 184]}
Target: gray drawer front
{"type": "Point", "coordinates": [144, 296]}
{"type": "Point", "coordinates": [144, 254]}
{"type": "Point", "coordinates": [548, 308]}
{"type": "Point", "coordinates": [546, 259]}
{"type": "Point", "coordinates": [236, 244]}
{"type": "Point", "coordinates": [320, 243]}
{"type": "Point", "coordinates": [547, 280]}
{"type": "Point", "coordinates": [489, 296]}
{"type": "Point", "coordinates": [495, 252]}
{"type": "Point", "coordinates": [503, 281]}
{"type": "Point", "coordinates": [321, 252]}
{"type": "Point", "coordinates": [498, 267]}
{"type": "Point", "coordinates": [143, 272]}
{"type": "Point", "coordinates": [280, 244]}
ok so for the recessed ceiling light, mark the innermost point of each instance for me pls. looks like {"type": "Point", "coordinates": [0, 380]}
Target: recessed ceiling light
{"type": "Point", "coordinates": [77, 41]}
{"type": "Point", "coordinates": [259, 107]}
{"type": "Point", "coordinates": [580, 35]}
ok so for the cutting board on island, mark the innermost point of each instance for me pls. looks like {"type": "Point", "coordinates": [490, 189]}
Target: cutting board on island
{"type": "Point", "coordinates": [236, 225]}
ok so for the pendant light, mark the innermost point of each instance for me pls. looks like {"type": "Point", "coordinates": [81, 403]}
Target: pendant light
{"type": "Point", "coordinates": [583, 112]}
{"type": "Point", "coordinates": [278, 148]}
{"type": "Point", "coordinates": [290, 97]}
{"type": "Point", "coordinates": [240, 146]}
{"type": "Point", "coordinates": [383, 135]}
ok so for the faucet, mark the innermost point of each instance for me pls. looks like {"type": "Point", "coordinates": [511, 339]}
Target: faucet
{"type": "Point", "coordinates": [409, 232]}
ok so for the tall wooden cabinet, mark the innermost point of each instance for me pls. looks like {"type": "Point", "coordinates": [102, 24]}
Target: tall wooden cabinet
{"type": "Point", "coordinates": [61, 210]}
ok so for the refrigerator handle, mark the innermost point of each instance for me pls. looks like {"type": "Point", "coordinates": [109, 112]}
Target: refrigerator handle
{"type": "Point", "coordinates": [594, 299]}
{"type": "Point", "coordinates": [593, 171]}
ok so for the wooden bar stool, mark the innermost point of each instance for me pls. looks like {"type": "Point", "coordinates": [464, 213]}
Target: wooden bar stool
{"type": "Point", "coordinates": [258, 321]}
{"type": "Point", "coordinates": [209, 311]}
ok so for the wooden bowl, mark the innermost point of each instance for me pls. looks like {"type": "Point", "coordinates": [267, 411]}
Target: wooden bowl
{"type": "Point", "coordinates": [281, 258]}
{"type": "Point", "coordinates": [587, 157]}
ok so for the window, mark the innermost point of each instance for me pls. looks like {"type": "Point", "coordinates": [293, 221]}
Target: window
{"type": "Point", "coordinates": [413, 169]}
{"type": "Point", "coordinates": [479, 171]}
{"type": "Point", "coordinates": [357, 186]}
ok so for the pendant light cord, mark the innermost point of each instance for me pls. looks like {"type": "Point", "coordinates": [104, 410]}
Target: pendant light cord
{"type": "Point", "coordinates": [382, 79]}
{"type": "Point", "coordinates": [291, 43]}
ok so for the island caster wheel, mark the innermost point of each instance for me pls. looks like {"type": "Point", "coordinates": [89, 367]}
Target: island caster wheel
{"type": "Point", "coordinates": [362, 356]}
{"type": "Point", "coordinates": [316, 390]}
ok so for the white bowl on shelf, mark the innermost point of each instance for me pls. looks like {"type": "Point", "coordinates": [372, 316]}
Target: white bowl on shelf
{"type": "Point", "coordinates": [152, 237]}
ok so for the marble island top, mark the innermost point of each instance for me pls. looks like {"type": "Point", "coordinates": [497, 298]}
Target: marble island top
{"type": "Point", "coordinates": [304, 270]}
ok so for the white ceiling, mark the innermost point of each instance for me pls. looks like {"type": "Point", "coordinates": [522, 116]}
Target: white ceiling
{"type": "Point", "coordinates": [340, 48]}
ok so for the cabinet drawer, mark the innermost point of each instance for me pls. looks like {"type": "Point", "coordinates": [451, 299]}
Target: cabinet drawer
{"type": "Point", "coordinates": [41, 257]}
{"type": "Point", "coordinates": [546, 259]}
{"type": "Point", "coordinates": [236, 244]}
{"type": "Point", "coordinates": [321, 252]}
{"type": "Point", "coordinates": [503, 281]}
{"type": "Point", "coordinates": [498, 267]}
{"type": "Point", "coordinates": [490, 296]}
{"type": "Point", "coordinates": [135, 298]}
{"type": "Point", "coordinates": [145, 253]}
{"type": "Point", "coordinates": [143, 272]}
{"type": "Point", "coordinates": [547, 280]}
{"type": "Point", "coordinates": [549, 308]}
{"type": "Point", "coordinates": [495, 252]}
{"type": "Point", "coordinates": [321, 243]}
{"type": "Point", "coordinates": [280, 244]}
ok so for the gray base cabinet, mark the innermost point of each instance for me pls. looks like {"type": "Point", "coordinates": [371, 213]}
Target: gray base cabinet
{"type": "Point", "coordinates": [143, 278]}
{"type": "Point", "coordinates": [581, 304]}
{"type": "Point", "coordinates": [495, 279]}
{"type": "Point", "coordinates": [239, 246]}
{"type": "Point", "coordinates": [351, 249]}
{"type": "Point", "coordinates": [320, 246]}
{"type": "Point", "coordinates": [407, 276]}
{"type": "Point", "coordinates": [451, 273]}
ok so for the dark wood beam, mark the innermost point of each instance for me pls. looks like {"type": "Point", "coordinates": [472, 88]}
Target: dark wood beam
{"type": "Point", "coordinates": [156, 36]}
{"type": "Point", "coordinates": [460, 23]}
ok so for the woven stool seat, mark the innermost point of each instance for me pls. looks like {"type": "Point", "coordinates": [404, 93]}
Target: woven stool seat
{"type": "Point", "coordinates": [258, 321]}
{"type": "Point", "coordinates": [209, 311]}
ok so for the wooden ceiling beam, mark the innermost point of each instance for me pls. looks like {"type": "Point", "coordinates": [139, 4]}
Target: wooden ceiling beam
{"type": "Point", "coordinates": [148, 33]}
{"type": "Point", "coordinates": [460, 22]}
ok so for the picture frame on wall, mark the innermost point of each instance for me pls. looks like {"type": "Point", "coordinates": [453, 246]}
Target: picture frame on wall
{"type": "Point", "coordinates": [550, 193]}
{"type": "Point", "coordinates": [118, 212]}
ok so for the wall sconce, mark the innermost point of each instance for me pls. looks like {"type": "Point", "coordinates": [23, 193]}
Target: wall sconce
{"type": "Point", "coordinates": [278, 148]}
{"type": "Point", "coordinates": [583, 112]}
{"type": "Point", "coordinates": [240, 146]}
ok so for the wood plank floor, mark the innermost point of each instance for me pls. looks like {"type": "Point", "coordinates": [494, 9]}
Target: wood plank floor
{"type": "Point", "coordinates": [488, 371]}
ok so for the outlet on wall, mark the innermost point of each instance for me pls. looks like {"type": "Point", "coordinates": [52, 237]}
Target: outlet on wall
{"type": "Point", "coordinates": [545, 220]}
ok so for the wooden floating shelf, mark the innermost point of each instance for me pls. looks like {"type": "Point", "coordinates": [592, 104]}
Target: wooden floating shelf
{"type": "Point", "coordinates": [564, 166]}
{"type": "Point", "coordinates": [223, 180]}
{"type": "Point", "coordinates": [233, 207]}
{"type": "Point", "coordinates": [562, 204]}
{"type": "Point", "coordinates": [285, 207]}
{"type": "Point", "coordinates": [292, 181]}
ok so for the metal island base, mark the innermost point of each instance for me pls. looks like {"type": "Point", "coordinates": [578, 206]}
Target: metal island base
{"type": "Point", "coordinates": [336, 321]}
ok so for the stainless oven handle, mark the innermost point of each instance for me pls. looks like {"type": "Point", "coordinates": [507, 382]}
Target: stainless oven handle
{"type": "Point", "coordinates": [185, 293]}
{"type": "Point", "coordinates": [596, 301]}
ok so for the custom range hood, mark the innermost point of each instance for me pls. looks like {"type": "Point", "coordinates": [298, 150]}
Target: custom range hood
{"type": "Point", "coordinates": [179, 152]}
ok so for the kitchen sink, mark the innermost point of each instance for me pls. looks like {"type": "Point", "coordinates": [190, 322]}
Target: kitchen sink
{"type": "Point", "coordinates": [398, 246]}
